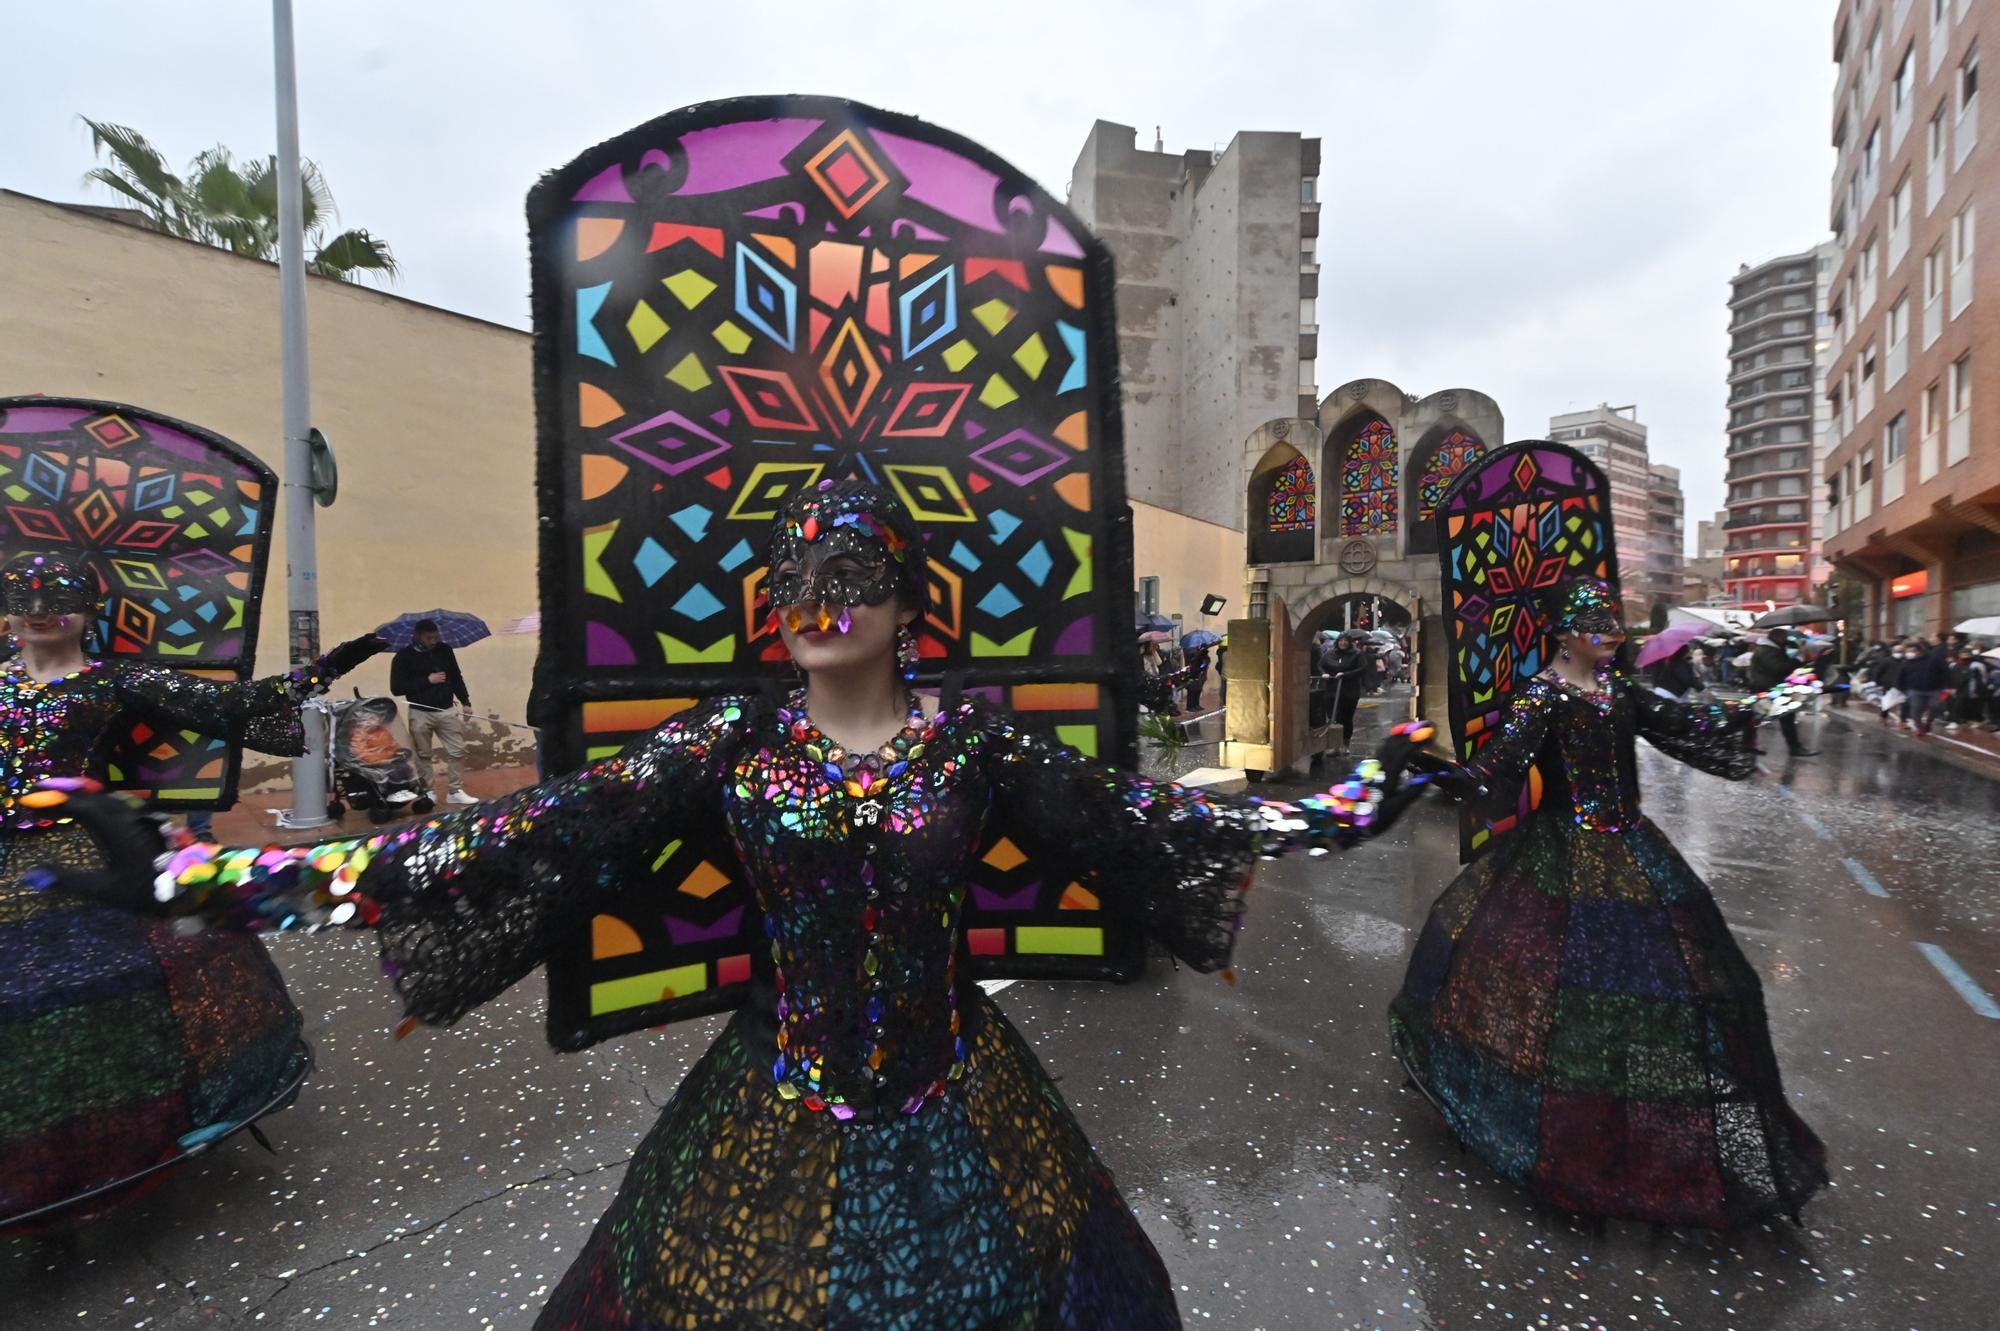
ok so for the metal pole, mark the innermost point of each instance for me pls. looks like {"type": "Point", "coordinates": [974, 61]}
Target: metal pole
{"type": "Point", "coordinates": [301, 552]}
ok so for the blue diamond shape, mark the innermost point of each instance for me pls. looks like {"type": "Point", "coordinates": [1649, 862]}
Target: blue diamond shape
{"type": "Point", "coordinates": [153, 491]}
{"type": "Point", "coordinates": [1036, 563]}
{"type": "Point", "coordinates": [760, 288]}
{"type": "Point", "coordinates": [698, 603]}
{"type": "Point", "coordinates": [693, 520]}
{"type": "Point", "coordinates": [1004, 525]}
{"type": "Point", "coordinates": [737, 554]}
{"type": "Point", "coordinates": [999, 602]}
{"type": "Point", "coordinates": [964, 557]}
{"type": "Point", "coordinates": [207, 612]}
{"type": "Point", "coordinates": [923, 321]}
{"type": "Point", "coordinates": [45, 477]}
{"type": "Point", "coordinates": [652, 561]}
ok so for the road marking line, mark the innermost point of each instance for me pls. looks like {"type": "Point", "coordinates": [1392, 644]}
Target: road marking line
{"type": "Point", "coordinates": [1866, 879]}
{"type": "Point", "coordinates": [1819, 829]}
{"type": "Point", "coordinates": [1955, 976]}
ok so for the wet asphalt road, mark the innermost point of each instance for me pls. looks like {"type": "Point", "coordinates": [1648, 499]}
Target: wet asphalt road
{"type": "Point", "coordinates": [1262, 1132]}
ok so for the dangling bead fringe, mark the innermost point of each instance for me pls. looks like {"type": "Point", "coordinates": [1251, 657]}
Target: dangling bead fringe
{"type": "Point", "coordinates": [906, 653]}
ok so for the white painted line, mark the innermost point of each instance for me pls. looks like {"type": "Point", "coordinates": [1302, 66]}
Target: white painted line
{"type": "Point", "coordinates": [1955, 976]}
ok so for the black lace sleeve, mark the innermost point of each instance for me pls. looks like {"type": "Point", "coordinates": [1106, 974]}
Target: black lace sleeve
{"type": "Point", "coordinates": [1174, 859]}
{"type": "Point", "coordinates": [1710, 737]}
{"type": "Point", "coordinates": [1508, 755]}
{"type": "Point", "coordinates": [469, 902]}
{"type": "Point", "coordinates": [261, 714]}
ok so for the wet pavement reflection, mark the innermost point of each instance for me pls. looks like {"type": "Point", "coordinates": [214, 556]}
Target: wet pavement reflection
{"type": "Point", "coordinates": [1261, 1131]}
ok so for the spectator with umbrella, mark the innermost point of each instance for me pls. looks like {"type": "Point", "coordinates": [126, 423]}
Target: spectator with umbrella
{"type": "Point", "coordinates": [425, 672]}
{"type": "Point", "coordinates": [1668, 660]}
{"type": "Point", "coordinates": [1770, 663]}
{"type": "Point", "coordinates": [1194, 648]}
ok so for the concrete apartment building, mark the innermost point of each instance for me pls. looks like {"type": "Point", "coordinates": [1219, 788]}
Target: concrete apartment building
{"type": "Point", "coordinates": [1913, 383]}
{"type": "Point", "coordinates": [1777, 427]}
{"type": "Point", "coordinates": [1666, 543]}
{"type": "Point", "coordinates": [1614, 439]}
{"type": "Point", "coordinates": [1217, 283]}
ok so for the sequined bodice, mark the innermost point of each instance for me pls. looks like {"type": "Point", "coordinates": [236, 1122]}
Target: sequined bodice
{"type": "Point", "coordinates": [52, 729]}
{"type": "Point", "coordinates": [1592, 730]}
{"type": "Point", "coordinates": [861, 887]}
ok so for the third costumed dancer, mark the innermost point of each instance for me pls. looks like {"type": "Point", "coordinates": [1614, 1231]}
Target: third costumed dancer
{"type": "Point", "coordinates": [869, 1142]}
{"type": "Point", "coordinates": [126, 1043]}
{"type": "Point", "coordinates": [1576, 1006]}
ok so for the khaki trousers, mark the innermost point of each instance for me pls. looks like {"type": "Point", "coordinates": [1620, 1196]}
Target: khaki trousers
{"type": "Point", "coordinates": [449, 729]}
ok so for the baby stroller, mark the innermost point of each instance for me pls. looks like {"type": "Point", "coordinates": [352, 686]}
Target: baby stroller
{"type": "Point", "coordinates": [368, 766]}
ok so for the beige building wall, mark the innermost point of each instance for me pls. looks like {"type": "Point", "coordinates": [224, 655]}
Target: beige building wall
{"type": "Point", "coordinates": [1192, 559]}
{"type": "Point", "coordinates": [430, 413]}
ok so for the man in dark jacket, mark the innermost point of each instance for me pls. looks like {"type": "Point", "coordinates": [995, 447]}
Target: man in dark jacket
{"type": "Point", "coordinates": [426, 673]}
{"type": "Point", "coordinates": [1925, 676]}
{"type": "Point", "coordinates": [1769, 665]}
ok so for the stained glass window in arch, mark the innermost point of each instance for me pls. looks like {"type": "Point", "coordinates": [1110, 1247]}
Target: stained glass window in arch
{"type": "Point", "coordinates": [1368, 481]}
{"type": "Point", "coordinates": [1449, 458]}
{"type": "Point", "coordinates": [1292, 502]}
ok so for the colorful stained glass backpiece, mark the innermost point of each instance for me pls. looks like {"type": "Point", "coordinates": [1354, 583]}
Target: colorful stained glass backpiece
{"type": "Point", "coordinates": [739, 299]}
{"type": "Point", "coordinates": [1293, 500]}
{"type": "Point", "coordinates": [1369, 462]}
{"type": "Point", "coordinates": [1518, 521]}
{"type": "Point", "coordinates": [1452, 455]}
{"type": "Point", "coordinates": [177, 522]}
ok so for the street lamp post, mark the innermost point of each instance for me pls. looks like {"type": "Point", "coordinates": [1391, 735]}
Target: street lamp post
{"type": "Point", "coordinates": [301, 553]}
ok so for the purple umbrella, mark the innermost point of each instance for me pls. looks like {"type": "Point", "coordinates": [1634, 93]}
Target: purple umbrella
{"type": "Point", "coordinates": [455, 628]}
{"type": "Point", "coordinates": [1668, 641]}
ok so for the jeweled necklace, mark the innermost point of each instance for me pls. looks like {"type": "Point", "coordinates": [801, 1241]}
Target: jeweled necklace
{"type": "Point", "coordinates": [17, 668]}
{"type": "Point", "coordinates": [860, 774]}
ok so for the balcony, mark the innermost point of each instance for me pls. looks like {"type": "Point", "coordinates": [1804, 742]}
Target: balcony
{"type": "Point", "coordinates": [1930, 455]}
{"type": "Point", "coordinates": [1958, 438]}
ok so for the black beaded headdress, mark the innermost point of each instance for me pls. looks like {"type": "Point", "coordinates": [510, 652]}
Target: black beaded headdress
{"type": "Point", "coordinates": [848, 516]}
{"type": "Point", "coordinates": [1585, 605]}
{"type": "Point", "coordinates": [45, 585]}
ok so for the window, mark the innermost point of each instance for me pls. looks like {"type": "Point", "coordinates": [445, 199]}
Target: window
{"type": "Point", "coordinates": [1961, 236]}
{"type": "Point", "coordinates": [1934, 273]}
{"type": "Point", "coordinates": [1933, 404]}
{"type": "Point", "coordinates": [1867, 466]}
{"type": "Point", "coordinates": [1940, 14]}
{"type": "Point", "coordinates": [1292, 498]}
{"type": "Point", "coordinates": [1868, 365]}
{"type": "Point", "coordinates": [1899, 87]}
{"type": "Point", "coordinates": [1899, 202]}
{"type": "Point", "coordinates": [1899, 321]}
{"type": "Point", "coordinates": [1308, 248]}
{"type": "Point", "coordinates": [1369, 462]}
{"type": "Point", "coordinates": [1968, 79]}
{"type": "Point", "coordinates": [1895, 441]}
{"type": "Point", "coordinates": [1149, 596]}
{"type": "Point", "coordinates": [1961, 384]}
{"type": "Point", "coordinates": [1308, 315]}
{"type": "Point", "coordinates": [1868, 260]}
{"type": "Point", "coordinates": [1871, 150]}
{"type": "Point", "coordinates": [1308, 374]}
{"type": "Point", "coordinates": [1308, 187]}
{"type": "Point", "coordinates": [1934, 136]}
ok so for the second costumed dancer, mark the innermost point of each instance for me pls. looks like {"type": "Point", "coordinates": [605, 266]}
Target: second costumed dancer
{"type": "Point", "coordinates": [869, 1143]}
{"type": "Point", "coordinates": [1577, 1006]}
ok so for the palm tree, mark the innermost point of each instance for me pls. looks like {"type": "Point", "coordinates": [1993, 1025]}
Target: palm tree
{"type": "Point", "coordinates": [231, 206]}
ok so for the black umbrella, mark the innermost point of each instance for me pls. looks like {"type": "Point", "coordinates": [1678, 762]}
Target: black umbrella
{"type": "Point", "coordinates": [1796, 614]}
{"type": "Point", "coordinates": [1155, 623]}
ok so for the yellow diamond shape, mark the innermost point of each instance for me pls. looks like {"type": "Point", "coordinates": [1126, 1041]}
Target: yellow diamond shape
{"type": "Point", "coordinates": [994, 315]}
{"type": "Point", "coordinates": [1032, 355]}
{"type": "Point", "coordinates": [733, 339]}
{"type": "Point", "coordinates": [997, 392]}
{"type": "Point", "coordinates": [689, 287]}
{"type": "Point", "coordinates": [705, 881]}
{"type": "Point", "coordinates": [690, 374]}
{"type": "Point", "coordinates": [1005, 856]}
{"type": "Point", "coordinates": [959, 355]}
{"type": "Point", "coordinates": [645, 326]}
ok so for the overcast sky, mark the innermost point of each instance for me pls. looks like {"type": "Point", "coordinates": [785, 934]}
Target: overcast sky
{"type": "Point", "coordinates": [1543, 200]}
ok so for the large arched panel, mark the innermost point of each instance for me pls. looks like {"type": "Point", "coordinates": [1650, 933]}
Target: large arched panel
{"type": "Point", "coordinates": [734, 301]}
{"type": "Point", "coordinates": [1369, 463]}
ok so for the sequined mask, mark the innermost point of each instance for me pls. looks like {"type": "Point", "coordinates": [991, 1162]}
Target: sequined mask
{"type": "Point", "coordinates": [41, 585]}
{"type": "Point", "coordinates": [1589, 607]}
{"type": "Point", "coordinates": [837, 546]}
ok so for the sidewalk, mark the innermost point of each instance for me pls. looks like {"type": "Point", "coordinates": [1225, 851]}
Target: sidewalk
{"type": "Point", "coordinates": [1974, 748]}
{"type": "Point", "coordinates": [252, 822]}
